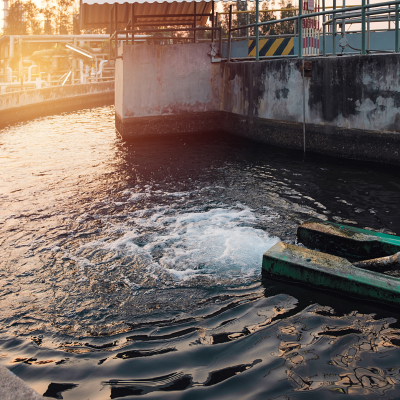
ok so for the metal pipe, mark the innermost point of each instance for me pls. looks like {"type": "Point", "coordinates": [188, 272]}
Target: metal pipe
{"type": "Point", "coordinates": [363, 36]}
{"type": "Point", "coordinates": [257, 30]}
{"type": "Point", "coordinates": [300, 25]}
{"type": "Point", "coordinates": [230, 33]}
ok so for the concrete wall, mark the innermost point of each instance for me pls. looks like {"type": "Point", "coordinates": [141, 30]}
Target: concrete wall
{"type": "Point", "coordinates": [13, 388]}
{"type": "Point", "coordinates": [165, 81]}
{"type": "Point", "coordinates": [20, 106]}
{"type": "Point", "coordinates": [379, 41]}
{"type": "Point", "coordinates": [352, 103]}
{"type": "Point", "coordinates": [346, 92]}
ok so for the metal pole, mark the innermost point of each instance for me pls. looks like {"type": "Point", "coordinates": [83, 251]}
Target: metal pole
{"type": "Point", "coordinates": [258, 30]}
{"type": "Point", "coordinates": [363, 35]}
{"type": "Point", "coordinates": [195, 22]}
{"type": "Point", "coordinates": [368, 31]}
{"type": "Point", "coordinates": [111, 25]}
{"type": "Point", "coordinates": [323, 30]}
{"type": "Point", "coordinates": [300, 25]}
{"type": "Point", "coordinates": [20, 66]}
{"type": "Point", "coordinates": [304, 112]}
{"type": "Point", "coordinates": [343, 20]}
{"type": "Point", "coordinates": [334, 30]}
{"type": "Point", "coordinates": [229, 33]}
{"type": "Point", "coordinates": [212, 21]}
{"type": "Point", "coordinates": [132, 23]}
{"type": "Point", "coordinates": [116, 28]}
{"type": "Point", "coordinates": [396, 29]}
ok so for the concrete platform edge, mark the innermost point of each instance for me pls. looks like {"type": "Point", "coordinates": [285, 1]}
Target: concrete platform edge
{"type": "Point", "coordinates": [353, 144]}
{"type": "Point", "coordinates": [20, 114]}
{"type": "Point", "coordinates": [13, 388]}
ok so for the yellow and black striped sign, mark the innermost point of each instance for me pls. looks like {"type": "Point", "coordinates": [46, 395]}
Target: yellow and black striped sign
{"type": "Point", "coordinates": [272, 47]}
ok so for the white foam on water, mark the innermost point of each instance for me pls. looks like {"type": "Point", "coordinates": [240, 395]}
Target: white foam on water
{"type": "Point", "coordinates": [218, 242]}
{"type": "Point", "coordinates": [183, 245]}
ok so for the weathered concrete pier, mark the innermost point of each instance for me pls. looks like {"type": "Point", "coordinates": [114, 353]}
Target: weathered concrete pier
{"type": "Point", "coordinates": [349, 105]}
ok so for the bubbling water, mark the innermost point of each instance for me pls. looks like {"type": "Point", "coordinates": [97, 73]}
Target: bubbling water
{"type": "Point", "coordinates": [134, 268]}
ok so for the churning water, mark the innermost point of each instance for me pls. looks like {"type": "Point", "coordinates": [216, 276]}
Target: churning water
{"type": "Point", "coordinates": [133, 269]}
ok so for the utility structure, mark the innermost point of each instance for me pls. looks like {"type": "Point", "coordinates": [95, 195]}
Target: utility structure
{"type": "Point", "coordinates": [290, 90]}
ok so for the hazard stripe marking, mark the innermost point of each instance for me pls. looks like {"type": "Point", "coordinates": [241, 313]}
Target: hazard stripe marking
{"type": "Point", "coordinates": [272, 47]}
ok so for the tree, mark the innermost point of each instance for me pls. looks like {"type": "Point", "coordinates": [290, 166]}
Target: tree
{"type": "Point", "coordinates": [264, 17]}
{"type": "Point", "coordinates": [63, 16]}
{"type": "Point", "coordinates": [48, 11]}
{"type": "Point", "coordinates": [288, 26]}
{"type": "Point", "coordinates": [22, 19]}
{"type": "Point", "coordinates": [31, 15]}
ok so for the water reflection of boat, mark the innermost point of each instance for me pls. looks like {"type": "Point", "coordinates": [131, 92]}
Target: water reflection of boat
{"type": "Point", "coordinates": [340, 258]}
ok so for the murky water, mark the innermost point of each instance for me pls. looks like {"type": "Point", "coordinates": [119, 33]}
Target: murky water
{"type": "Point", "coordinates": [132, 269]}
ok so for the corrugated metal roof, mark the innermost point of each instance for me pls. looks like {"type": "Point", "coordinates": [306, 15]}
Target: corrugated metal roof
{"type": "Point", "coordinates": [96, 13]}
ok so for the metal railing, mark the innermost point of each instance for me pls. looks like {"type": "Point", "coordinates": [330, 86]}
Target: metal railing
{"type": "Point", "coordinates": [339, 15]}
{"type": "Point", "coordinates": [130, 36]}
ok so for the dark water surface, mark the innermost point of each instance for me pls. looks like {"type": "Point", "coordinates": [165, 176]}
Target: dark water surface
{"type": "Point", "coordinates": [133, 269]}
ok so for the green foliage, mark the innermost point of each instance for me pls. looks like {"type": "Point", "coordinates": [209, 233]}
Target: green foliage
{"type": "Point", "coordinates": [25, 18]}
{"type": "Point", "coordinates": [22, 19]}
{"type": "Point", "coordinates": [272, 29]}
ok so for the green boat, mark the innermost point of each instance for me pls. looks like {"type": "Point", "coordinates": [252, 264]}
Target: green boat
{"type": "Point", "coordinates": [365, 254]}
{"type": "Point", "coordinates": [346, 241]}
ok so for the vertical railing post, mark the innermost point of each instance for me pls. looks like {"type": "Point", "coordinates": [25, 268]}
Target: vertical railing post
{"type": "Point", "coordinates": [368, 30]}
{"type": "Point", "coordinates": [133, 22]}
{"type": "Point", "coordinates": [220, 33]}
{"type": "Point", "coordinates": [229, 33]}
{"type": "Point", "coordinates": [116, 29]}
{"type": "Point", "coordinates": [396, 29]}
{"type": "Point", "coordinates": [323, 30]}
{"type": "Point", "coordinates": [334, 29]}
{"type": "Point", "coordinates": [195, 22]}
{"type": "Point", "coordinates": [257, 30]}
{"type": "Point", "coordinates": [363, 35]}
{"type": "Point", "coordinates": [111, 28]}
{"type": "Point", "coordinates": [300, 25]}
{"type": "Point", "coordinates": [344, 19]}
{"type": "Point", "coordinates": [212, 21]}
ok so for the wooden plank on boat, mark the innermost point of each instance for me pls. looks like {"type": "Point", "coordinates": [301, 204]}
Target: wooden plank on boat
{"type": "Point", "coordinates": [346, 241]}
{"type": "Point", "coordinates": [295, 263]}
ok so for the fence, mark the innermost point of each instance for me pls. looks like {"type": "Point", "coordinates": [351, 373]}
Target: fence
{"type": "Point", "coordinates": [308, 24]}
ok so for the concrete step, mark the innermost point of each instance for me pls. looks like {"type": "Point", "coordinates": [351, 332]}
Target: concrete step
{"type": "Point", "coordinates": [326, 271]}
{"type": "Point", "coordinates": [347, 241]}
{"type": "Point", "coordinates": [14, 388]}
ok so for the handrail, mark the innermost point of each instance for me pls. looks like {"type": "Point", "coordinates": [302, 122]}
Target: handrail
{"type": "Point", "coordinates": [267, 10]}
{"type": "Point", "coordinates": [364, 8]}
{"type": "Point", "coordinates": [144, 30]}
